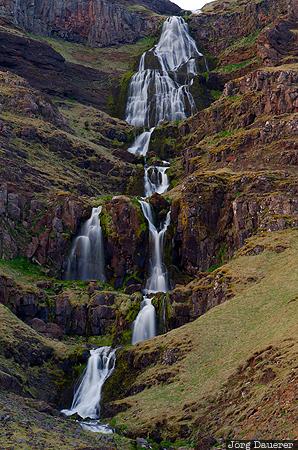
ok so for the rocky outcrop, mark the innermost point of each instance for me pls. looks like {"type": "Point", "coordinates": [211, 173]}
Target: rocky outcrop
{"type": "Point", "coordinates": [47, 70]}
{"type": "Point", "coordinates": [38, 229]}
{"type": "Point", "coordinates": [187, 302]}
{"type": "Point", "coordinates": [94, 22]}
{"type": "Point", "coordinates": [278, 89]}
{"type": "Point", "coordinates": [55, 310]}
{"type": "Point", "coordinates": [52, 233]}
{"type": "Point", "coordinates": [19, 96]}
{"type": "Point", "coordinates": [126, 241]}
{"type": "Point", "coordinates": [217, 27]}
{"type": "Point", "coordinates": [214, 217]}
{"type": "Point", "coordinates": [279, 44]}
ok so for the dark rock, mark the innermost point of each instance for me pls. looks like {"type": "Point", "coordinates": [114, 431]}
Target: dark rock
{"type": "Point", "coordinates": [97, 23]}
{"type": "Point", "coordinates": [53, 331]}
{"type": "Point", "coordinates": [45, 69]}
{"type": "Point", "coordinates": [126, 240]}
{"type": "Point", "coordinates": [9, 383]}
{"type": "Point", "coordinates": [143, 443]}
{"type": "Point", "coordinates": [132, 288]}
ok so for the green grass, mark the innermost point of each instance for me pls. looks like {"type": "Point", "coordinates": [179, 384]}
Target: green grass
{"type": "Point", "coordinates": [261, 314]}
{"type": "Point", "coordinates": [22, 269]}
{"type": "Point", "coordinates": [234, 67]}
{"type": "Point", "coordinates": [113, 60]}
{"type": "Point", "coordinates": [244, 42]}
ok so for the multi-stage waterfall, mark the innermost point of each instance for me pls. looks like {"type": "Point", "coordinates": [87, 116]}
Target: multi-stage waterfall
{"type": "Point", "coordinates": [86, 260]}
{"type": "Point", "coordinates": [144, 326]}
{"type": "Point", "coordinates": [160, 91]}
{"type": "Point", "coordinates": [86, 400]}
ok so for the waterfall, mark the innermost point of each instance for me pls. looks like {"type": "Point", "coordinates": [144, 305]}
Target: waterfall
{"type": "Point", "coordinates": [86, 400]}
{"type": "Point", "coordinates": [155, 180]}
{"type": "Point", "coordinates": [141, 144]}
{"type": "Point", "coordinates": [158, 278]}
{"type": "Point", "coordinates": [156, 93]}
{"type": "Point", "coordinates": [86, 260]}
{"type": "Point", "coordinates": [144, 326]}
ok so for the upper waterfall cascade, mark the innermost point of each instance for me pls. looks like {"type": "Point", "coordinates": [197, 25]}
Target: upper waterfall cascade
{"type": "Point", "coordinates": [86, 260]}
{"type": "Point", "coordinates": [159, 93]}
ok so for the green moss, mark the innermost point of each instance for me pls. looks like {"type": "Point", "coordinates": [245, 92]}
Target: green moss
{"type": "Point", "coordinates": [201, 93]}
{"type": "Point", "coordinates": [23, 271]}
{"type": "Point", "coordinates": [233, 67]}
{"type": "Point", "coordinates": [107, 223]}
{"type": "Point", "coordinates": [117, 385]}
{"type": "Point", "coordinates": [118, 106]}
{"type": "Point", "coordinates": [215, 94]}
{"type": "Point", "coordinates": [246, 41]}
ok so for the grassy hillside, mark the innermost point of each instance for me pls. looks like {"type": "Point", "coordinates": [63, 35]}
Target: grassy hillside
{"type": "Point", "coordinates": [231, 360]}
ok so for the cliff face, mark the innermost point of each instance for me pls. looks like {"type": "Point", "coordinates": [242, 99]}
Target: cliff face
{"type": "Point", "coordinates": [95, 22]}
{"type": "Point", "coordinates": [219, 25]}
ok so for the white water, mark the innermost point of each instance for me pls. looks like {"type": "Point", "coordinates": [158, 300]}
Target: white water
{"type": "Point", "coordinates": [158, 278]}
{"type": "Point", "coordinates": [155, 180]}
{"type": "Point", "coordinates": [86, 400]}
{"type": "Point", "coordinates": [158, 92]}
{"type": "Point", "coordinates": [144, 326]}
{"type": "Point", "coordinates": [141, 144]}
{"type": "Point", "coordinates": [176, 47]}
{"type": "Point", "coordinates": [86, 260]}
{"type": "Point", "coordinates": [155, 95]}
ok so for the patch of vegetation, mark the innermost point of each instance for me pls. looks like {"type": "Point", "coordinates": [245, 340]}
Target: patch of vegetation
{"type": "Point", "coordinates": [22, 269]}
{"type": "Point", "coordinates": [215, 94]}
{"type": "Point", "coordinates": [234, 67]}
{"type": "Point", "coordinates": [120, 97]}
{"type": "Point", "coordinates": [113, 60]}
{"type": "Point", "coordinates": [246, 41]}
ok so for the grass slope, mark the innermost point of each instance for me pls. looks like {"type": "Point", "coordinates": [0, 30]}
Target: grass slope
{"type": "Point", "coordinates": [263, 313]}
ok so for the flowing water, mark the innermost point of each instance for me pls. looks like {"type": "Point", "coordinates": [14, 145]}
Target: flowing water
{"type": "Point", "coordinates": [158, 92]}
{"type": "Point", "coordinates": [158, 278]}
{"type": "Point", "coordinates": [144, 326]}
{"type": "Point", "coordinates": [141, 144]}
{"type": "Point", "coordinates": [86, 260]}
{"type": "Point", "coordinates": [155, 180]}
{"type": "Point", "coordinates": [86, 400]}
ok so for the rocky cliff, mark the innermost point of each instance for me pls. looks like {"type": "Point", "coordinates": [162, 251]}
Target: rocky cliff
{"type": "Point", "coordinates": [94, 22]}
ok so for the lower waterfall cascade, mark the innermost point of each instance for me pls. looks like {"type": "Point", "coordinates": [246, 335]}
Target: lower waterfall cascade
{"type": "Point", "coordinates": [87, 396]}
